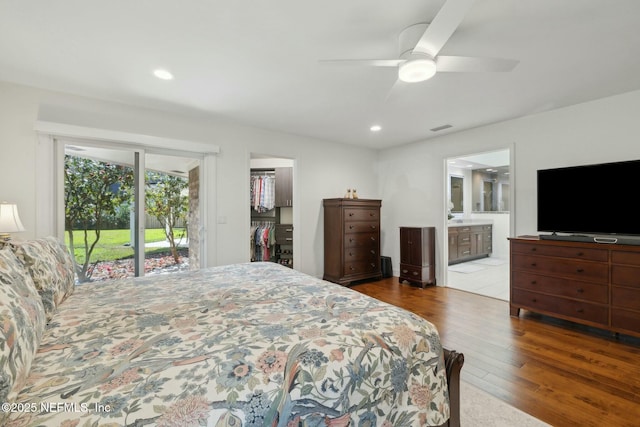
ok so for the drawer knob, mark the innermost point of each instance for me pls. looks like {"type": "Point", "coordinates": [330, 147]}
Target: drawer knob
{"type": "Point", "coordinates": [373, 239]}
{"type": "Point", "coordinates": [534, 300]}
{"type": "Point", "coordinates": [352, 268]}
{"type": "Point", "coordinates": [415, 273]}
{"type": "Point", "coordinates": [580, 254]}
{"type": "Point", "coordinates": [580, 310]}
{"type": "Point", "coordinates": [373, 252]}
{"type": "Point", "coordinates": [580, 270]}
{"type": "Point", "coordinates": [351, 227]}
{"type": "Point", "coordinates": [370, 213]}
{"type": "Point", "coordinates": [373, 265]}
{"type": "Point", "coordinates": [405, 271]}
{"type": "Point", "coordinates": [373, 227]}
{"type": "Point", "coordinates": [533, 264]}
{"type": "Point", "coordinates": [580, 290]}
{"type": "Point", "coordinates": [350, 253]}
{"type": "Point", "coordinates": [534, 249]}
{"type": "Point", "coordinates": [350, 213]}
{"type": "Point", "coordinates": [533, 282]}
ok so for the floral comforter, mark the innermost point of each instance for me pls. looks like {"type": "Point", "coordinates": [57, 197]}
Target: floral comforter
{"type": "Point", "coordinates": [253, 344]}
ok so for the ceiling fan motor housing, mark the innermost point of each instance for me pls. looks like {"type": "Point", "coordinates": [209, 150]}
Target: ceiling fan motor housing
{"type": "Point", "coordinates": [408, 39]}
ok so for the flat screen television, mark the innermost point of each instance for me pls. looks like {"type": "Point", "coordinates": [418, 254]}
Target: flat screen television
{"type": "Point", "coordinates": [595, 199]}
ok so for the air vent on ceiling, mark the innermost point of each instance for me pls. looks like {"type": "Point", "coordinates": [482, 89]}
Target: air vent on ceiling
{"type": "Point", "coordinates": [439, 128]}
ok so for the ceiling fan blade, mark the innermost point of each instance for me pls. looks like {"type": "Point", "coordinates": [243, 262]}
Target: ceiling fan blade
{"type": "Point", "coordinates": [442, 27]}
{"type": "Point", "coordinates": [369, 62]}
{"type": "Point", "coordinates": [463, 64]}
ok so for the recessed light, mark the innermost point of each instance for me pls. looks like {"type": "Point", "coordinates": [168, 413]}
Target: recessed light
{"type": "Point", "coordinates": [163, 74]}
{"type": "Point", "coordinates": [375, 128]}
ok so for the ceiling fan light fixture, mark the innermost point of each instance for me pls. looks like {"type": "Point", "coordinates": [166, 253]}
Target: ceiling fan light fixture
{"type": "Point", "coordinates": [417, 70]}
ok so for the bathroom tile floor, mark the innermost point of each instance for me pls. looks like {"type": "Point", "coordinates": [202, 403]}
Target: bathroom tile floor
{"type": "Point", "coordinates": [486, 276]}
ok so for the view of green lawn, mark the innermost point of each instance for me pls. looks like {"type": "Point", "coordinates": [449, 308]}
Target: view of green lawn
{"type": "Point", "coordinates": [113, 243]}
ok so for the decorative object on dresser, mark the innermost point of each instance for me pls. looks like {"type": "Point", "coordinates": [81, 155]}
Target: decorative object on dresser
{"type": "Point", "coordinates": [467, 242]}
{"type": "Point", "coordinates": [596, 284]}
{"type": "Point", "coordinates": [417, 255]}
{"type": "Point", "coordinates": [351, 240]}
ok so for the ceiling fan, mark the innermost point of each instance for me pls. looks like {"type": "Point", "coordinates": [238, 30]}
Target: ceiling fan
{"type": "Point", "coordinates": [420, 45]}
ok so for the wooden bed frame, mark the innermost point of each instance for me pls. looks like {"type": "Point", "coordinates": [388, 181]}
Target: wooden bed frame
{"type": "Point", "coordinates": [453, 363]}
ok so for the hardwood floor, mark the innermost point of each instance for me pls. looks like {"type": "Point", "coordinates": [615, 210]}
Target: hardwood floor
{"type": "Point", "coordinates": [562, 373]}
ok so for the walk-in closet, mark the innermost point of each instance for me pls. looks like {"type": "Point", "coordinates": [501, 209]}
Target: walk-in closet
{"type": "Point", "coordinates": [271, 196]}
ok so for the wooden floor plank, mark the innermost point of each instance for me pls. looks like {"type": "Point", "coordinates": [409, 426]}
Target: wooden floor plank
{"type": "Point", "coordinates": [562, 373]}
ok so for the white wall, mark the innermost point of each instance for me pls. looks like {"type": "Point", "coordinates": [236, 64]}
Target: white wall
{"type": "Point", "coordinates": [410, 180]}
{"type": "Point", "coordinates": [322, 169]}
{"type": "Point", "coordinates": [412, 177]}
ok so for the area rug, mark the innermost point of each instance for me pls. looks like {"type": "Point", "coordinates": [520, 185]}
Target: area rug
{"type": "Point", "coordinates": [479, 408]}
{"type": "Point", "coordinates": [466, 268]}
{"type": "Point", "coordinates": [490, 261]}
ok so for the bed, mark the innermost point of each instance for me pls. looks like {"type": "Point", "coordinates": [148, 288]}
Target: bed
{"type": "Point", "coordinates": [240, 345]}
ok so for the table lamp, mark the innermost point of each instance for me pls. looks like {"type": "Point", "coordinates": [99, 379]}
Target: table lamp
{"type": "Point", "coordinates": [9, 221]}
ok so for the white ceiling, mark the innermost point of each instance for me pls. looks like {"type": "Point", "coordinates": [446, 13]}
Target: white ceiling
{"type": "Point", "coordinates": [257, 62]}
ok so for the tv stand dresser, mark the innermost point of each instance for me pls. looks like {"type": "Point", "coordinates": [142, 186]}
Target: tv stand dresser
{"type": "Point", "coordinates": [595, 284]}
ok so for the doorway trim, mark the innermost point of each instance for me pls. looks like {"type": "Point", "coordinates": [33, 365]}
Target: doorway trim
{"type": "Point", "coordinates": [444, 238]}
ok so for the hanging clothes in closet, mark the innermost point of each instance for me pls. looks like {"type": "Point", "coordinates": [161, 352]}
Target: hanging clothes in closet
{"type": "Point", "coordinates": [262, 240]}
{"type": "Point", "coordinates": [263, 192]}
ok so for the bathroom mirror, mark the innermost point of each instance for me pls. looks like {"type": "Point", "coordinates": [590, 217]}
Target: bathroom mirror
{"type": "Point", "coordinates": [456, 191]}
{"type": "Point", "coordinates": [490, 189]}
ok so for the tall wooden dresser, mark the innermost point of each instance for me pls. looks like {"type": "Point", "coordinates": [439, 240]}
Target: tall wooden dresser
{"type": "Point", "coordinates": [351, 240]}
{"type": "Point", "coordinates": [418, 255]}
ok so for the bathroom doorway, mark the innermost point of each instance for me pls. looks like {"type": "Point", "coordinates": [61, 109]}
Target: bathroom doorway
{"type": "Point", "coordinates": [478, 191]}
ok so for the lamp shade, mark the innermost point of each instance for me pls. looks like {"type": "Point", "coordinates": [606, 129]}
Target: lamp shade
{"type": "Point", "coordinates": [9, 218]}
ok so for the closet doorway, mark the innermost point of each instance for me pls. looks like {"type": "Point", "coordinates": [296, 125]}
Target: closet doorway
{"type": "Point", "coordinates": [272, 206]}
{"type": "Point", "coordinates": [479, 221]}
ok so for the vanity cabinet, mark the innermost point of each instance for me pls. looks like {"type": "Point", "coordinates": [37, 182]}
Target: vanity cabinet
{"type": "Point", "coordinates": [467, 242]}
{"type": "Point", "coordinates": [590, 283]}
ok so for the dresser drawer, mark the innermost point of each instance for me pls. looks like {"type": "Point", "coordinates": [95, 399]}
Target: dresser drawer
{"type": "Point", "coordinates": [284, 234]}
{"type": "Point", "coordinates": [626, 297]}
{"type": "Point", "coordinates": [560, 306]}
{"type": "Point", "coordinates": [625, 319]}
{"type": "Point", "coordinates": [410, 272]}
{"type": "Point", "coordinates": [592, 292]}
{"type": "Point", "coordinates": [625, 275]}
{"type": "Point", "coordinates": [359, 267]}
{"type": "Point", "coordinates": [351, 214]}
{"type": "Point", "coordinates": [361, 254]}
{"type": "Point", "coordinates": [622, 257]}
{"type": "Point", "coordinates": [560, 251]}
{"type": "Point", "coordinates": [576, 269]}
{"type": "Point", "coordinates": [355, 240]}
{"type": "Point", "coordinates": [361, 227]}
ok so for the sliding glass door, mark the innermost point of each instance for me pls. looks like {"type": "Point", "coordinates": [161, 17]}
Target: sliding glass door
{"type": "Point", "coordinates": [128, 212]}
